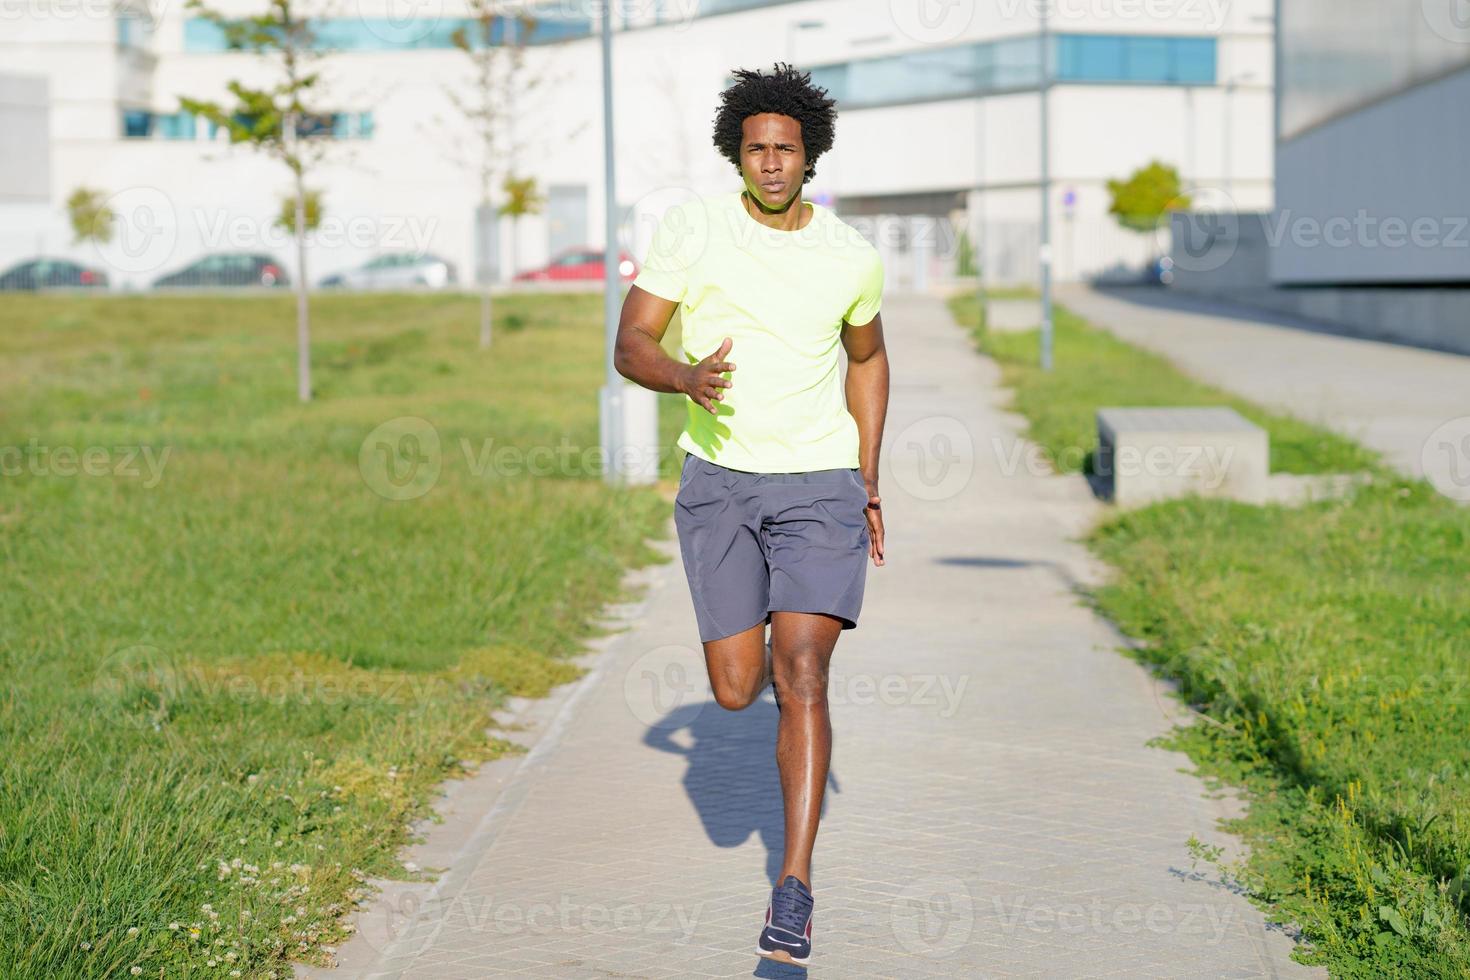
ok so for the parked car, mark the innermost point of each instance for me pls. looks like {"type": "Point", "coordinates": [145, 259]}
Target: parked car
{"type": "Point", "coordinates": [397, 269]}
{"type": "Point", "coordinates": [579, 263]}
{"type": "Point", "coordinates": [227, 269]}
{"type": "Point", "coordinates": [51, 274]}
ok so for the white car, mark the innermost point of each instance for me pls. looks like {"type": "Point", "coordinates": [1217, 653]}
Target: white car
{"type": "Point", "coordinates": [397, 270]}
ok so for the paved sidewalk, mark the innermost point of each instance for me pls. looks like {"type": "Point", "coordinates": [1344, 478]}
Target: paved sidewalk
{"type": "Point", "coordinates": [1389, 397]}
{"type": "Point", "coordinates": [993, 809]}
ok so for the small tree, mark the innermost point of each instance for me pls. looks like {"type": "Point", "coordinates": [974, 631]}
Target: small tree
{"type": "Point", "coordinates": [1144, 200]}
{"type": "Point", "coordinates": [521, 198]}
{"type": "Point", "coordinates": [965, 256]}
{"type": "Point", "coordinates": [286, 216]}
{"type": "Point", "coordinates": [278, 121]}
{"type": "Point", "coordinates": [91, 218]}
{"type": "Point", "coordinates": [497, 76]}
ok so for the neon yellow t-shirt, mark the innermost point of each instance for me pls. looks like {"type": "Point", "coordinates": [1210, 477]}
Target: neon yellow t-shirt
{"type": "Point", "coordinates": [782, 298]}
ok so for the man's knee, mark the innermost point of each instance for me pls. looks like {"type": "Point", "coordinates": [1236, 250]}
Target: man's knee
{"type": "Point", "coordinates": [801, 676]}
{"type": "Point", "coordinates": [732, 698]}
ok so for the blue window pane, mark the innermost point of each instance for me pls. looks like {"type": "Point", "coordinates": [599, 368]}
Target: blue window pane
{"type": "Point", "coordinates": [137, 124]}
{"type": "Point", "coordinates": [1148, 59]}
{"type": "Point", "coordinates": [1086, 58]}
{"type": "Point", "coordinates": [407, 34]}
{"type": "Point", "coordinates": [1194, 60]}
{"type": "Point", "coordinates": [176, 126]}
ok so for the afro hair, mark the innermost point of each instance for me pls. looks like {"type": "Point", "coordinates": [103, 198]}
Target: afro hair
{"type": "Point", "coordinates": [785, 91]}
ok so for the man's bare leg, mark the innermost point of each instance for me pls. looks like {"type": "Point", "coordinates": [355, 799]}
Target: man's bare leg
{"type": "Point", "coordinates": [739, 667]}
{"type": "Point", "coordinates": [802, 646]}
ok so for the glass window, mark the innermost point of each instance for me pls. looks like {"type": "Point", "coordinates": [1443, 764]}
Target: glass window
{"type": "Point", "coordinates": [1149, 59]}
{"type": "Point", "coordinates": [400, 34]}
{"type": "Point", "coordinates": [177, 126]}
{"type": "Point", "coordinates": [137, 124]}
{"type": "Point", "coordinates": [1090, 59]}
{"type": "Point", "coordinates": [1194, 60]}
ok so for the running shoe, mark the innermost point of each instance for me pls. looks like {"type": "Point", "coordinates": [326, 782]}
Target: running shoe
{"type": "Point", "coordinates": [787, 936]}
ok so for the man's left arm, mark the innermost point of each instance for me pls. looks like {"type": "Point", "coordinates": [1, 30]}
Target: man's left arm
{"type": "Point", "coordinates": [866, 389]}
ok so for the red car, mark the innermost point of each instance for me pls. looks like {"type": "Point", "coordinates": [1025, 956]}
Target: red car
{"type": "Point", "coordinates": [579, 263]}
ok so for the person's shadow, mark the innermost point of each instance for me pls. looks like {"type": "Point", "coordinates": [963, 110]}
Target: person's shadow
{"type": "Point", "coordinates": [732, 778]}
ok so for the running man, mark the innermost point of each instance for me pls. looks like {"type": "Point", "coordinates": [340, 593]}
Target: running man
{"type": "Point", "coordinates": [778, 510]}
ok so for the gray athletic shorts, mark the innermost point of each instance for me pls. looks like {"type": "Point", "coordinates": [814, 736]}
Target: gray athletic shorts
{"type": "Point", "coordinates": [754, 543]}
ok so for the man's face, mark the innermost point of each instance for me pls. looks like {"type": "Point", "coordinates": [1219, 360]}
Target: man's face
{"type": "Point", "coordinates": [772, 159]}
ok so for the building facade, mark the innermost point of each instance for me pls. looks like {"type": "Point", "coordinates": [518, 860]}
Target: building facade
{"type": "Point", "coordinates": [938, 134]}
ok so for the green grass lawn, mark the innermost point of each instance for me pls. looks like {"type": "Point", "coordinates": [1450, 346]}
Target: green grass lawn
{"type": "Point", "coordinates": [1328, 647]}
{"type": "Point", "coordinates": [235, 668]}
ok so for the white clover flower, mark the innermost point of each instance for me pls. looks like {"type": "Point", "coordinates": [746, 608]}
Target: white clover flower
{"type": "Point", "coordinates": [136, 970]}
{"type": "Point", "coordinates": [132, 930]}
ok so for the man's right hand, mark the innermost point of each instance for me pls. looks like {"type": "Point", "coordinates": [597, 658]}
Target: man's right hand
{"type": "Point", "coordinates": [702, 381]}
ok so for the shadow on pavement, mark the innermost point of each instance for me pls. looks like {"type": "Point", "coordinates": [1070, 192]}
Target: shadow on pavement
{"type": "Point", "coordinates": [731, 777]}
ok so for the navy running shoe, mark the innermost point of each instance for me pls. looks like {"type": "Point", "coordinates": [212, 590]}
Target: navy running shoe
{"type": "Point", "coordinates": [787, 936]}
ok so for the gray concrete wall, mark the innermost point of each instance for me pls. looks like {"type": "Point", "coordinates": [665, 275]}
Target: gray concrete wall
{"type": "Point", "coordinates": [1378, 195]}
{"type": "Point", "coordinates": [1228, 257]}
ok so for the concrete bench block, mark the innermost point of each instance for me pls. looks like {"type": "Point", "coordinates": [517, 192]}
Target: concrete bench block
{"type": "Point", "coordinates": [1149, 454]}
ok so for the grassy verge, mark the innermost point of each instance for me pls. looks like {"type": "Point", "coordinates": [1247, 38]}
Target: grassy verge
{"type": "Point", "coordinates": [1326, 644]}
{"type": "Point", "coordinates": [235, 665]}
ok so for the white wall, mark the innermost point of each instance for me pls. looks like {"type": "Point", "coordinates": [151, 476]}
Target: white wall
{"type": "Point", "coordinates": [404, 188]}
